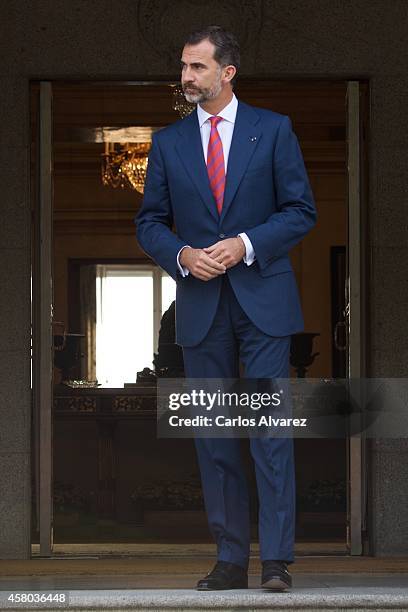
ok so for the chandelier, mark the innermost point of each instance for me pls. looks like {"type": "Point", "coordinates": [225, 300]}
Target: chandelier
{"type": "Point", "coordinates": [127, 166]}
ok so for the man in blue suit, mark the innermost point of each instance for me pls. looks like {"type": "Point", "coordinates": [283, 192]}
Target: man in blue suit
{"type": "Point", "coordinates": [232, 181]}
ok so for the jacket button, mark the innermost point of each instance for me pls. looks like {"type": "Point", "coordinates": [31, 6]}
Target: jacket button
{"type": "Point", "coordinates": [222, 235]}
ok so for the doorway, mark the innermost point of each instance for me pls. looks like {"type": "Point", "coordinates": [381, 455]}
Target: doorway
{"type": "Point", "coordinates": [97, 437]}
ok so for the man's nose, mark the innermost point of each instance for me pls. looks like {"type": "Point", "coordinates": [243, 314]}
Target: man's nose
{"type": "Point", "coordinates": [188, 75]}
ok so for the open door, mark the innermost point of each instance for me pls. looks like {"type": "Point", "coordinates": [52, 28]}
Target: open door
{"type": "Point", "coordinates": [43, 287]}
{"type": "Point", "coordinates": [354, 309]}
{"type": "Point", "coordinates": [42, 322]}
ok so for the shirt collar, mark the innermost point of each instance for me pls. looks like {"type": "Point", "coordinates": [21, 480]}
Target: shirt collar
{"type": "Point", "coordinates": [228, 113]}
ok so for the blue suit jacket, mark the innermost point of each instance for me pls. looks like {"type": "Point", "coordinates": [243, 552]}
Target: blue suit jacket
{"type": "Point", "coordinates": [267, 195]}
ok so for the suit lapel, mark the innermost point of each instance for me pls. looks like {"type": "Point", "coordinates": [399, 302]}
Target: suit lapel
{"type": "Point", "coordinates": [190, 151]}
{"type": "Point", "coordinates": [245, 139]}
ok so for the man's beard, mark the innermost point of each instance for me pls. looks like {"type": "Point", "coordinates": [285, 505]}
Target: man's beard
{"type": "Point", "coordinates": [197, 95]}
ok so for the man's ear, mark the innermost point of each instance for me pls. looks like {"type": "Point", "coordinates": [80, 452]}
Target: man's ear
{"type": "Point", "coordinates": [229, 73]}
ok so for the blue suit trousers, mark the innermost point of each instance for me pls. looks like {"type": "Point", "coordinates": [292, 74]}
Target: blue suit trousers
{"type": "Point", "coordinates": [232, 339]}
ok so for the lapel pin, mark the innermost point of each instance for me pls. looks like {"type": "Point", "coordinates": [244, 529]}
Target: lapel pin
{"type": "Point", "coordinates": [253, 138]}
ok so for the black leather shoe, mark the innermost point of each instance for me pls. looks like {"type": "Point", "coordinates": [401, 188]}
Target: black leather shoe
{"type": "Point", "coordinates": [275, 576]}
{"type": "Point", "coordinates": [224, 576]}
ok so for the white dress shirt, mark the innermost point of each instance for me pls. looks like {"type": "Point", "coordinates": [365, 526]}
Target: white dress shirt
{"type": "Point", "coordinates": [225, 129]}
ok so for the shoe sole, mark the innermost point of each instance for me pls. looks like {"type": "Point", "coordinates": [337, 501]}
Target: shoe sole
{"type": "Point", "coordinates": [276, 584]}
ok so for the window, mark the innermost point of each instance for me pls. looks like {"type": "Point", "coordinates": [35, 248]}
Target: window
{"type": "Point", "coordinates": [130, 301]}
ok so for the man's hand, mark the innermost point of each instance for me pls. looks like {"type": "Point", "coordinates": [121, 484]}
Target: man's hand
{"type": "Point", "coordinates": [228, 252]}
{"type": "Point", "coordinates": [200, 264]}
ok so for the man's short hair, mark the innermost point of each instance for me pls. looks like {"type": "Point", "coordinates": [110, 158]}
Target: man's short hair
{"type": "Point", "coordinates": [226, 51]}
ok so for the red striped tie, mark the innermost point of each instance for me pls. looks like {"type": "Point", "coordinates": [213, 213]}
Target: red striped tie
{"type": "Point", "coordinates": [215, 164]}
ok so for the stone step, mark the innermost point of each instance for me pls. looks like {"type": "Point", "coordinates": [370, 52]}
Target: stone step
{"type": "Point", "coordinates": [165, 583]}
{"type": "Point", "coordinates": [321, 599]}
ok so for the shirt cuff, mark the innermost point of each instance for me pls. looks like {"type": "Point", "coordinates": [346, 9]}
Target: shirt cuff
{"type": "Point", "coordinates": [249, 256]}
{"type": "Point", "coordinates": [183, 270]}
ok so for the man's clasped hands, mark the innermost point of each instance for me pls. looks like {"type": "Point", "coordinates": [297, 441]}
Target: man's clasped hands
{"type": "Point", "coordinates": [209, 262]}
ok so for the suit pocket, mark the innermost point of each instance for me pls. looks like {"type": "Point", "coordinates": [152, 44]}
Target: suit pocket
{"type": "Point", "coordinates": [276, 267]}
